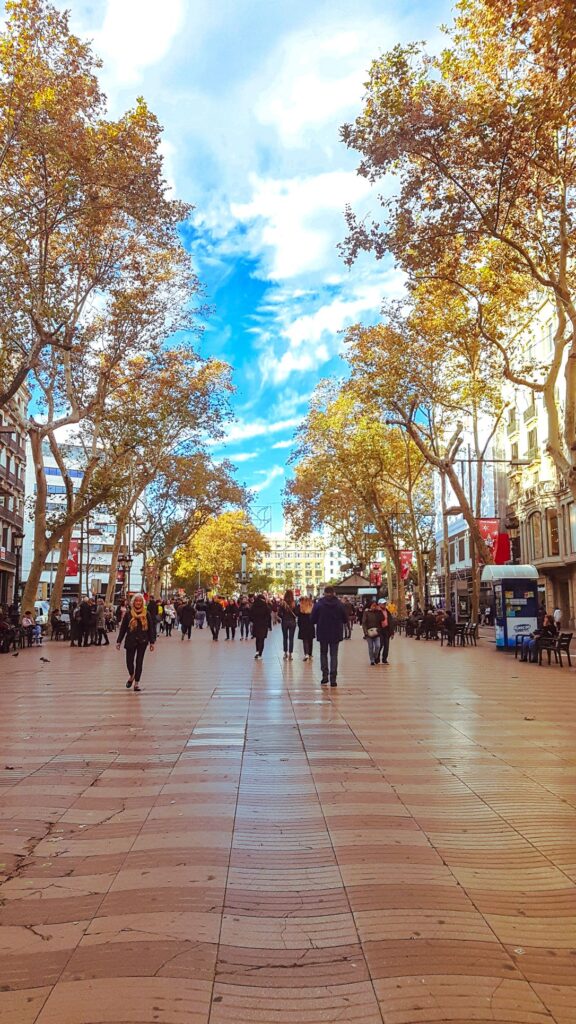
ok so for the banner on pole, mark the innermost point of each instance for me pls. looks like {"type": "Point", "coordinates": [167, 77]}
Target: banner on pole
{"type": "Point", "coordinates": [489, 529]}
{"type": "Point", "coordinates": [376, 574]}
{"type": "Point", "coordinates": [72, 560]}
{"type": "Point", "coordinates": [406, 559]}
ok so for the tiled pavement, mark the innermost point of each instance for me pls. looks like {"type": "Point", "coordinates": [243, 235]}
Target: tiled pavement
{"type": "Point", "coordinates": [237, 845]}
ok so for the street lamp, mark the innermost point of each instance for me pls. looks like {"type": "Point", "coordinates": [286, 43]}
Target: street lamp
{"type": "Point", "coordinates": [17, 540]}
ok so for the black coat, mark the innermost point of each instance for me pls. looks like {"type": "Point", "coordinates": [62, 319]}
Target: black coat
{"type": "Point", "coordinates": [329, 617]}
{"type": "Point", "coordinates": [260, 618]}
{"type": "Point", "coordinates": [306, 630]}
{"type": "Point", "coordinates": [186, 615]}
{"type": "Point", "coordinates": [135, 637]}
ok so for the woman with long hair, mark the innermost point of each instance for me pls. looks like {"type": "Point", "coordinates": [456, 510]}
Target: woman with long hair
{"type": "Point", "coordinates": [287, 613]}
{"type": "Point", "coordinates": [138, 630]}
{"type": "Point", "coordinates": [306, 631]}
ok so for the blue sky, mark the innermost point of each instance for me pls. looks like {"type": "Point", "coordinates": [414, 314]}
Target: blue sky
{"type": "Point", "coordinates": [251, 94]}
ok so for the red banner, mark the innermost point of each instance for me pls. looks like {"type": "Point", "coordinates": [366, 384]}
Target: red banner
{"type": "Point", "coordinates": [489, 529]}
{"type": "Point", "coordinates": [72, 560]}
{"type": "Point", "coordinates": [406, 559]}
{"type": "Point", "coordinates": [503, 552]}
{"type": "Point", "coordinates": [376, 574]}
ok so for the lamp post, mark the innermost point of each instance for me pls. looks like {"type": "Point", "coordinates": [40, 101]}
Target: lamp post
{"type": "Point", "coordinates": [17, 540]}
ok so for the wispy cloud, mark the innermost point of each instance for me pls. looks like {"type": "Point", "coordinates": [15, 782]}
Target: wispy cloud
{"type": "Point", "coordinates": [284, 444]}
{"type": "Point", "coordinates": [242, 431]}
{"type": "Point", "coordinates": [269, 476]}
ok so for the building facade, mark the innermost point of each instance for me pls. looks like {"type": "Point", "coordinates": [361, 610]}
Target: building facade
{"type": "Point", "coordinates": [540, 510]}
{"type": "Point", "coordinates": [93, 538]}
{"type": "Point", "coordinates": [12, 494]}
{"type": "Point", "coordinates": [301, 563]}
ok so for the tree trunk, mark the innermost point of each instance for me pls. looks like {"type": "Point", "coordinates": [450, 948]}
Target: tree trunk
{"type": "Point", "coordinates": [446, 547]}
{"type": "Point", "coordinates": [56, 595]}
{"type": "Point", "coordinates": [41, 547]}
{"type": "Point", "coordinates": [111, 588]}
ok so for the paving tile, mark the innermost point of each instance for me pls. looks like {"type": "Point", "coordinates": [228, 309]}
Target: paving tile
{"type": "Point", "coordinates": [241, 847]}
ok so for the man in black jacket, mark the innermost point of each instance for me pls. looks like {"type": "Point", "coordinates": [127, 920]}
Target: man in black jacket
{"type": "Point", "coordinates": [186, 619]}
{"type": "Point", "coordinates": [329, 617]}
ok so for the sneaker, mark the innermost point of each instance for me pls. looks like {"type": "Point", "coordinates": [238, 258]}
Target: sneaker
{"type": "Point", "coordinates": [372, 662]}
{"type": "Point", "coordinates": [129, 684]}
{"type": "Point", "coordinates": [305, 659]}
{"type": "Point", "coordinates": [285, 655]}
{"type": "Point", "coordinates": [324, 682]}
{"type": "Point", "coordinates": [290, 657]}
{"type": "Point", "coordinates": [137, 688]}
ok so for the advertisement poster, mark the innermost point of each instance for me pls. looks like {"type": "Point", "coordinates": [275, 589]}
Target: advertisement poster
{"type": "Point", "coordinates": [72, 560]}
{"type": "Point", "coordinates": [376, 574]}
{"type": "Point", "coordinates": [406, 558]}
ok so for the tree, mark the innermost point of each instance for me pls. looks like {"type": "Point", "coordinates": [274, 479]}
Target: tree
{"type": "Point", "coordinates": [482, 139]}
{"type": "Point", "coordinates": [85, 208]}
{"type": "Point", "coordinates": [215, 549]}
{"type": "Point", "coordinates": [345, 453]}
{"type": "Point", "coordinates": [188, 492]}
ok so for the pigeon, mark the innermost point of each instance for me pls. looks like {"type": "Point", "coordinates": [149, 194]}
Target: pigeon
{"type": "Point", "coordinates": [47, 660]}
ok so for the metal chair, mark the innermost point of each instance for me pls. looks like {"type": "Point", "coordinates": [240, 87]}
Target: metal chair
{"type": "Point", "coordinates": [563, 647]}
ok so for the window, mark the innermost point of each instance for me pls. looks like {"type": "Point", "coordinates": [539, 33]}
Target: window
{"type": "Point", "coordinates": [452, 552]}
{"type": "Point", "coordinates": [461, 549]}
{"type": "Point", "coordinates": [553, 536]}
{"type": "Point", "coordinates": [514, 451]}
{"type": "Point", "coordinates": [572, 515]}
{"type": "Point", "coordinates": [535, 535]}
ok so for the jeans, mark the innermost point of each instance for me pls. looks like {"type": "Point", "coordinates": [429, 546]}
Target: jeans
{"type": "Point", "coordinates": [244, 628]}
{"type": "Point", "coordinates": [230, 630]}
{"type": "Point", "coordinates": [373, 648]}
{"type": "Point", "coordinates": [200, 617]}
{"type": "Point", "coordinates": [348, 629]}
{"type": "Point", "coordinates": [168, 626]}
{"type": "Point", "coordinates": [102, 637]}
{"type": "Point", "coordinates": [329, 666]}
{"type": "Point", "coordinates": [135, 654]}
{"type": "Point", "coordinates": [186, 631]}
{"type": "Point", "coordinates": [260, 644]}
{"type": "Point", "coordinates": [384, 645]}
{"type": "Point", "coordinates": [288, 631]}
{"type": "Point", "coordinates": [307, 645]}
{"type": "Point", "coordinates": [215, 625]}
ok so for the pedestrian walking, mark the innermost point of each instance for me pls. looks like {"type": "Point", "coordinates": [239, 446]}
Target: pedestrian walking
{"type": "Point", "coordinates": [386, 632]}
{"type": "Point", "coordinates": [350, 618]}
{"type": "Point", "coordinates": [371, 626]}
{"type": "Point", "coordinates": [138, 630]}
{"type": "Point", "coordinates": [244, 616]}
{"type": "Point", "coordinates": [186, 617]}
{"type": "Point", "coordinates": [261, 619]}
{"type": "Point", "coordinates": [288, 619]}
{"type": "Point", "coordinates": [201, 608]}
{"type": "Point", "coordinates": [306, 630]}
{"type": "Point", "coordinates": [329, 617]}
{"type": "Point", "coordinates": [231, 613]}
{"type": "Point", "coordinates": [101, 630]}
{"type": "Point", "coordinates": [214, 617]}
{"type": "Point", "coordinates": [169, 618]}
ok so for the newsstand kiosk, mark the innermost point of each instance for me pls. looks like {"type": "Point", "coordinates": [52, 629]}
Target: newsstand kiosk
{"type": "Point", "coordinates": [515, 601]}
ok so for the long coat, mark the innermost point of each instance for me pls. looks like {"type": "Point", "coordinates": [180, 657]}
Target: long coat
{"type": "Point", "coordinates": [260, 618]}
{"type": "Point", "coordinates": [329, 617]}
{"type": "Point", "coordinates": [306, 629]}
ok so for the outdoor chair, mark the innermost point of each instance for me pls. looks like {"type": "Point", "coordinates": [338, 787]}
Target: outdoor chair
{"type": "Point", "coordinates": [548, 644]}
{"type": "Point", "coordinates": [563, 647]}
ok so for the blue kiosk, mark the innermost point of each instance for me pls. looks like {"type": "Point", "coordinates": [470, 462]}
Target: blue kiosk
{"type": "Point", "coordinates": [515, 601]}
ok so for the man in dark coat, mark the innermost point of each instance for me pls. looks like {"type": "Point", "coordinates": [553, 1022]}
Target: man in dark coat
{"type": "Point", "coordinates": [186, 619]}
{"type": "Point", "coordinates": [261, 619]}
{"type": "Point", "coordinates": [329, 617]}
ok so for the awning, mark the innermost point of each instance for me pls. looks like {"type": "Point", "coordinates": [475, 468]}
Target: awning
{"type": "Point", "coordinates": [492, 573]}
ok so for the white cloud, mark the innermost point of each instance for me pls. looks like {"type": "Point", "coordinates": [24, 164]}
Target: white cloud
{"type": "Point", "coordinates": [270, 475]}
{"type": "Point", "coordinates": [284, 444]}
{"type": "Point", "coordinates": [244, 456]}
{"type": "Point", "coordinates": [295, 223]}
{"type": "Point", "coordinates": [242, 431]}
{"type": "Point", "coordinates": [136, 34]}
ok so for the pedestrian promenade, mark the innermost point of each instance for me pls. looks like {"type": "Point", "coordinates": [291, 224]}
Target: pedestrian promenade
{"type": "Point", "coordinates": [238, 844]}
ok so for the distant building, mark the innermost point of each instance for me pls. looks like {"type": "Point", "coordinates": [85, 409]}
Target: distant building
{"type": "Point", "coordinates": [93, 538]}
{"type": "Point", "coordinates": [12, 478]}
{"type": "Point", "coordinates": [301, 561]}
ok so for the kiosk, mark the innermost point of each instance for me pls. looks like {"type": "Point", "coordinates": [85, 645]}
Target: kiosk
{"type": "Point", "coordinates": [515, 601]}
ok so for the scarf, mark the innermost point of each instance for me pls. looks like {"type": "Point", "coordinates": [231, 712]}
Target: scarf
{"type": "Point", "coordinates": [138, 617]}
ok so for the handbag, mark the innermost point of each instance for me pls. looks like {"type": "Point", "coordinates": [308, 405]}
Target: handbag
{"type": "Point", "coordinates": [372, 632]}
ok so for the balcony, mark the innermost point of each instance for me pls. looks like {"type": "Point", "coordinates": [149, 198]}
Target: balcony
{"type": "Point", "coordinates": [512, 428]}
{"type": "Point", "coordinates": [533, 455]}
{"type": "Point", "coordinates": [530, 413]}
